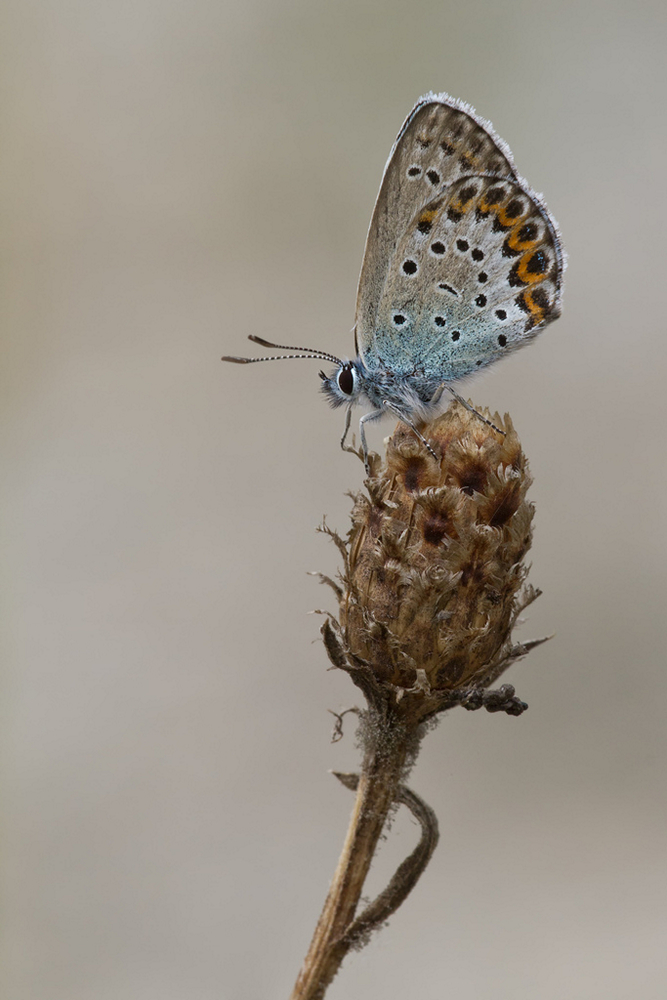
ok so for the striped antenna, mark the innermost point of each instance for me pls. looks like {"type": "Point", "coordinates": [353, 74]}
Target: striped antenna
{"type": "Point", "coordinates": [308, 353]}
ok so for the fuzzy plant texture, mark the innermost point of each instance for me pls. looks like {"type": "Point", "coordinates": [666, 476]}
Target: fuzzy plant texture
{"type": "Point", "coordinates": [434, 577]}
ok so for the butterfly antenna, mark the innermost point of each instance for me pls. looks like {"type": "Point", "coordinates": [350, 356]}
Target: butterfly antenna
{"type": "Point", "coordinates": [311, 351]}
{"type": "Point", "coordinates": [274, 357]}
{"type": "Point", "coordinates": [308, 352]}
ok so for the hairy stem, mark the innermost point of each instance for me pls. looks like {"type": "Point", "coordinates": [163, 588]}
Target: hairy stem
{"type": "Point", "coordinates": [384, 764]}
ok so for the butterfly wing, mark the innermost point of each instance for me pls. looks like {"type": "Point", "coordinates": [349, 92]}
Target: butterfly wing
{"type": "Point", "coordinates": [441, 140]}
{"type": "Point", "coordinates": [476, 273]}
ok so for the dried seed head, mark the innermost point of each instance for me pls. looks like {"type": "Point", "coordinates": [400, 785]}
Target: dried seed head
{"type": "Point", "coordinates": [434, 574]}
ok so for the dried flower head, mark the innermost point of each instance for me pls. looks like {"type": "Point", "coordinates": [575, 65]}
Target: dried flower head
{"type": "Point", "coordinates": [434, 578]}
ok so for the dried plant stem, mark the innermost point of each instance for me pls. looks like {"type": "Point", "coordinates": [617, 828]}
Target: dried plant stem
{"type": "Point", "coordinates": [408, 872]}
{"type": "Point", "coordinates": [384, 764]}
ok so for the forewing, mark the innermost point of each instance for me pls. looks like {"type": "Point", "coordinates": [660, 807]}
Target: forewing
{"type": "Point", "coordinates": [441, 140]}
{"type": "Point", "coordinates": [476, 274]}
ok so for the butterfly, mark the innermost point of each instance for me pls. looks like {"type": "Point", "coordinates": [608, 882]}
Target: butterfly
{"type": "Point", "coordinates": [463, 265]}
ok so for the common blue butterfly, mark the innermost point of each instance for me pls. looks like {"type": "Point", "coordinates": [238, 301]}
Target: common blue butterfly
{"type": "Point", "coordinates": [463, 265]}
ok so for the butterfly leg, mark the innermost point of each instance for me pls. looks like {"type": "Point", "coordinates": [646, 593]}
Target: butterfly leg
{"type": "Point", "coordinates": [373, 415]}
{"type": "Point", "coordinates": [349, 447]}
{"type": "Point", "coordinates": [463, 402]}
{"type": "Point", "coordinates": [404, 419]}
{"type": "Point", "coordinates": [348, 417]}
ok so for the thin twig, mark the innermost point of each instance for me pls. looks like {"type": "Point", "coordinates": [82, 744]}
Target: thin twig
{"type": "Point", "coordinates": [408, 872]}
{"type": "Point", "coordinates": [384, 764]}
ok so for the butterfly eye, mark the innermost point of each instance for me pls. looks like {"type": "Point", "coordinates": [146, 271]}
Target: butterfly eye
{"type": "Point", "coordinates": [346, 380]}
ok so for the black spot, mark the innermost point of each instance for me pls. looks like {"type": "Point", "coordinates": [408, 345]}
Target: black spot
{"type": "Point", "coordinates": [527, 233]}
{"type": "Point", "coordinates": [462, 245]}
{"type": "Point", "coordinates": [453, 215]}
{"type": "Point", "coordinates": [508, 251]}
{"type": "Point", "coordinates": [447, 288]}
{"type": "Point", "coordinates": [537, 263]}
{"type": "Point", "coordinates": [479, 362]}
{"type": "Point", "coordinates": [482, 277]}
{"type": "Point", "coordinates": [501, 314]}
{"type": "Point", "coordinates": [433, 176]}
{"type": "Point", "coordinates": [346, 380]}
{"type": "Point", "coordinates": [477, 254]}
{"type": "Point", "coordinates": [455, 334]}
{"type": "Point", "coordinates": [409, 267]}
{"type": "Point", "coordinates": [494, 166]}
{"type": "Point", "coordinates": [466, 162]}
{"type": "Point", "coordinates": [467, 193]}
{"type": "Point", "coordinates": [513, 278]}
{"type": "Point", "coordinates": [480, 300]}
{"type": "Point", "coordinates": [494, 196]}
{"type": "Point", "coordinates": [541, 299]}
{"type": "Point", "coordinates": [423, 142]}
{"type": "Point", "coordinates": [439, 321]}
{"type": "Point", "coordinates": [502, 339]}
{"type": "Point", "coordinates": [414, 171]}
{"type": "Point", "coordinates": [514, 208]}
{"type": "Point", "coordinates": [438, 247]}
{"type": "Point", "coordinates": [399, 319]}
{"type": "Point", "coordinates": [447, 148]}
{"type": "Point", "coordinates": [424, 226]}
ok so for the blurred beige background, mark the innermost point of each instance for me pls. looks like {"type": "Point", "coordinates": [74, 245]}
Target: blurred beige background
{"type": "Point", "coordinates": [176, 176]}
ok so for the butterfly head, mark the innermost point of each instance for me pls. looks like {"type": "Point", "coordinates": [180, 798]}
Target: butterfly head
{"type": "Point", "coordinates": [344, 385]}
